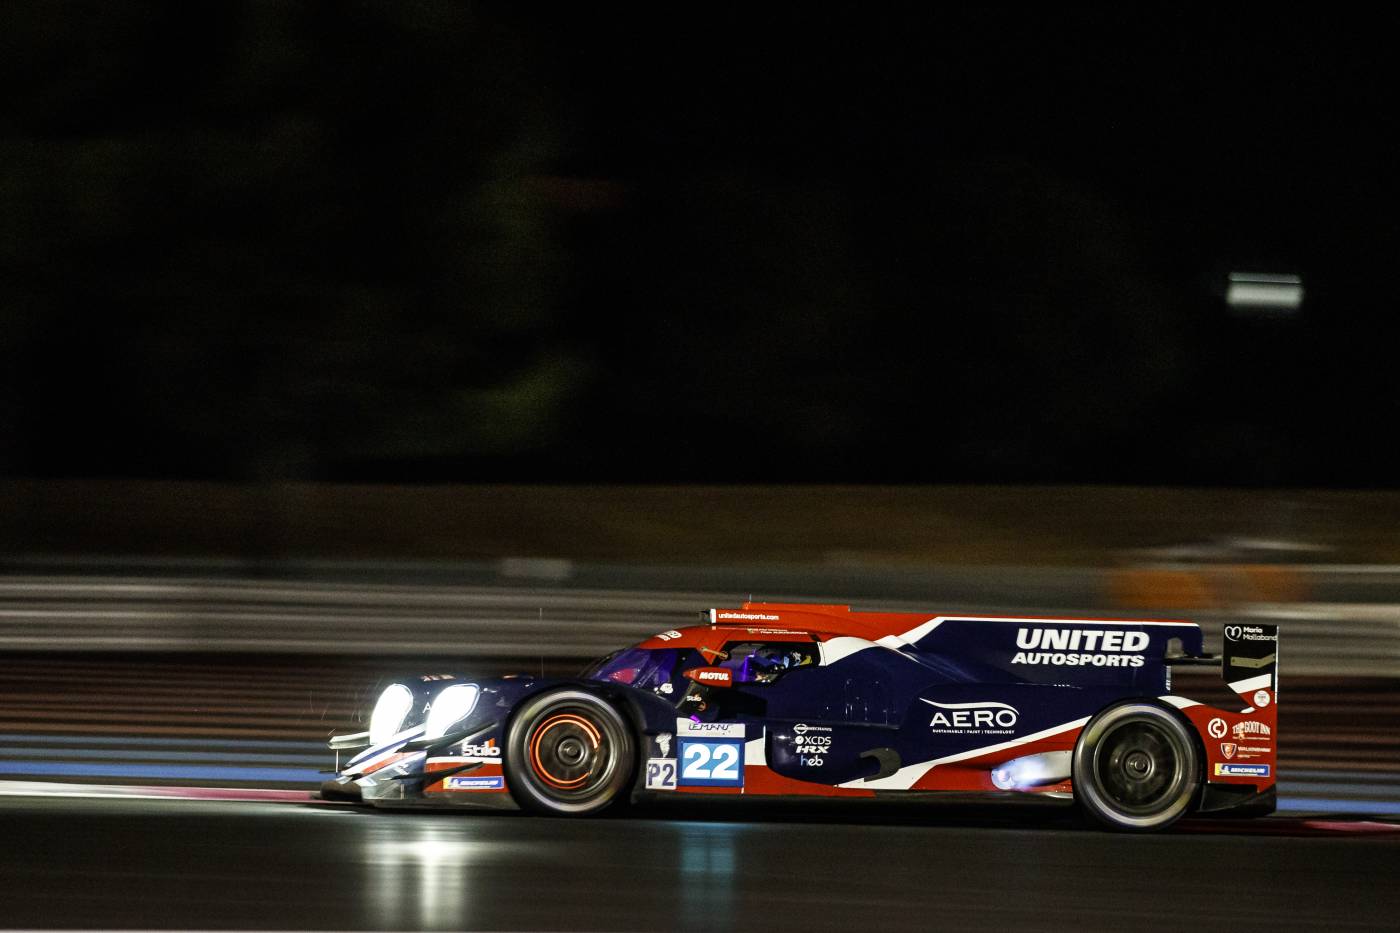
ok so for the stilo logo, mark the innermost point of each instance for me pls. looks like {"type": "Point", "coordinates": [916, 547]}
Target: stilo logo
{"type": "Point", "coordinates": [1232, 633]}
{"type": "Point", "coordinates": [1216, 728]}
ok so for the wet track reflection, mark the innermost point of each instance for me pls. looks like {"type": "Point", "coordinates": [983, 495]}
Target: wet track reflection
{"type": "Point", "coordinates": [179, 864]}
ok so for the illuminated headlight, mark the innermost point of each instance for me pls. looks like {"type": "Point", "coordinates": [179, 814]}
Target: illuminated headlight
{"type": "Point", "coordinates": [389, 713]}
{"type": "Point", "coordinates": [450, 707]}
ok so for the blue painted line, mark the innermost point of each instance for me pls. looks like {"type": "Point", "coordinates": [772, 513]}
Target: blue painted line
{"type": "Point", "coordinates": [1333, 805]}
{"type": "Point", "coordinates": [161, 772]}
{"type": "Point", "coordinates": [232, 757]}
{"type": "Point", "coordinates": [143, 740]}
{"type": "Point", "coordinates": [1364, 777]}
{"type": "Point", "coordinates": [1307, 788]}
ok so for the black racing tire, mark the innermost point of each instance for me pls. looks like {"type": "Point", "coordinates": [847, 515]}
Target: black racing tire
{"type": "Point", "coordinates": [1136, 768]}
{"type": "Point", "coordinates": [569, 753]}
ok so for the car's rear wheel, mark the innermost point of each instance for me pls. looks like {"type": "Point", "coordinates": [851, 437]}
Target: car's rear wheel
{"type": "Point", "coordinates": [1136, 768]}
{"type": "Point", "coordinates": [568, 753]}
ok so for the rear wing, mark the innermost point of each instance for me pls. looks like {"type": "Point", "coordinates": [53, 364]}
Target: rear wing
{"type": "Point", "coordinates": [1250, 663]}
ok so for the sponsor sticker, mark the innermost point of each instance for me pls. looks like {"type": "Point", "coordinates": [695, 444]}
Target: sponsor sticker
{"type": "Point", "coordinates": [1261, 698]}
{"type": "Point", "coordinates": [1247, 633]}
{"type": "Point", "coordinates": [661, 774]}
{"type": "Point", "coordinates": [480, 751]}
{"type": "Point", "coordinates": [713, 730]}
{"type": "Point", "coordinates": [711, 763]}
{"type": "Point", "coordinates": [1217, 728]}
{"type": "Point", "coordinates": [1242, 729]}
{"type": "Point", "coordinates": [1228, 749]}
{"type": "Point", "coordinates": [986, 717]}
{"type": "Point", "coordinates": [1230, 770]}
{"type": "Point", "coordinates": [810, 744]}
{"type": "Point", "coordinates": [1076, 647]}
{"type": "Point", "coordinates": [467, 782]}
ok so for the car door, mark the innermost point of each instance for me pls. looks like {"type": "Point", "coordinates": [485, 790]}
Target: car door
{"type": "Point", "coordinates": [824, 724]}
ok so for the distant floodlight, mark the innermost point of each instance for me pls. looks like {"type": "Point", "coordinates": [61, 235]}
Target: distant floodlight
{"type": "Point", "coordinates": [1266, 292]}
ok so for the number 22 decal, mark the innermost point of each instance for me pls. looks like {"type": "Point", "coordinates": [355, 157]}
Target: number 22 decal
{"type": "Point", "coordinates": [714, 764]}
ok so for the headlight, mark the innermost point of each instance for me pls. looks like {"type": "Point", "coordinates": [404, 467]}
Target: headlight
{"type": "Point", "coordinates": [389, 713]}
{"type": "Point", "coordinates": [449, 707]}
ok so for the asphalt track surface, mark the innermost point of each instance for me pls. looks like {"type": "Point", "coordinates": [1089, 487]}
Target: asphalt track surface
{"type": "Point", "coordinates": [82, 863]}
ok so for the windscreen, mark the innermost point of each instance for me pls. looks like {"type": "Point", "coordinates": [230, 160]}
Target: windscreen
{"type": "Point", "coordinates": [644, 668]}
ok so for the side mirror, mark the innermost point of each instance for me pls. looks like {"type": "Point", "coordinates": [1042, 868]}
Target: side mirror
{"type": "Point", "coordinates": [711, 676]}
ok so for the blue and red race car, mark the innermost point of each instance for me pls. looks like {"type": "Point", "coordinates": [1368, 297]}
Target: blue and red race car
{"type": "Point", "coordinates": [798, 700]}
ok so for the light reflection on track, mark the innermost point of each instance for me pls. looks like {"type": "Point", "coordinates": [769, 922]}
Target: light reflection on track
{"type": "Point", "coordinates": [168, 864]}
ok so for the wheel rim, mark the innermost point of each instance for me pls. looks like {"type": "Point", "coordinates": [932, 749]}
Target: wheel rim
{"type": "Point", "coordinates": [1138, 766]}
{"type": "Point", "coordinates": [570, 754]}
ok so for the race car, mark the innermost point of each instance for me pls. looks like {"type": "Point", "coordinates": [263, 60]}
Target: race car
{"type": "Point", "coordinates": [798, 700]}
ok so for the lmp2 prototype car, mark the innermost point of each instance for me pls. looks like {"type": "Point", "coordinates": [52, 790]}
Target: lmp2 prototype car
{"type": "Point", "coordinates": [819, 701]}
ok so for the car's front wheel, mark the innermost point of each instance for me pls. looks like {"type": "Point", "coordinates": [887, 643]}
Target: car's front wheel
{"type": "Point", "coordinates": [1136, 768]}
{"type": "Point", "coordinates": [568, 753]}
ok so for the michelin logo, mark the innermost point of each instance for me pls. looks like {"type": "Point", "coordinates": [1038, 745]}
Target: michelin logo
{"type": "Point", "coordinates": [474, 783]}
{"type": "Point", "coordinates": [1071, 647]}
{"type": "Point", "coordinates": [1224, 770]}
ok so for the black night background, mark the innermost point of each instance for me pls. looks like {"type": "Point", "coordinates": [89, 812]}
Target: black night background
{"type": "Point", "coordinates": [441, 242]}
